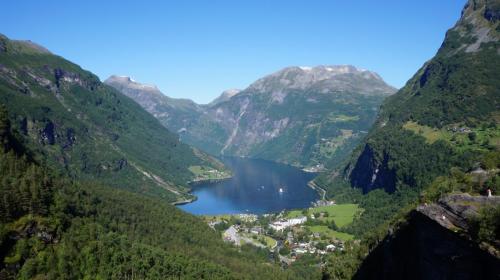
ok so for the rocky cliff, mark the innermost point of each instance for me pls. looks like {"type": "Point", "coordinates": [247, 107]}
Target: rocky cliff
{"type": "Point", "coordinates": [454, 94]}
{"type": "Point", "coordinates": [435, 243]}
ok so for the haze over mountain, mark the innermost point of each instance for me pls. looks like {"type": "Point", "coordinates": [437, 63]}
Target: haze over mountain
{"type": "Point", "coordinates": [299, 115]}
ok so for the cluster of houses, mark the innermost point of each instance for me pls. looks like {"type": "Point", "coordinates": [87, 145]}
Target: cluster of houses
{"type": "Point", "coordinates": [309, 247]}
{"type": "Point", "coordinates": [248, 231]}
{"type": "Point", "coordinates": [248, 218]}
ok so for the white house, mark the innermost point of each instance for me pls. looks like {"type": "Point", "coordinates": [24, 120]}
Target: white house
{"type": "Point", "coordinates": [282, 224]}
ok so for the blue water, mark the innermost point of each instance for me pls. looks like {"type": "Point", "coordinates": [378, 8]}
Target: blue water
{"type": "Point", "coordinates": [254, 188]}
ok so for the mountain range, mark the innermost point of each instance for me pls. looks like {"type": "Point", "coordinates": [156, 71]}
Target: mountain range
{"type": "Point", "coordinates": [304, 116]}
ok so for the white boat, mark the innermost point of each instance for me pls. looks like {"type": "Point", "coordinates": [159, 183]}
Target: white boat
{"type": "Point", "coordinates": [281, 190]}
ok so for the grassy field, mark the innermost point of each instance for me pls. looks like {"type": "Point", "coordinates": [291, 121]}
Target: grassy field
{"type": "Point", "coordinates": [270, 242]}
{"type": "Point", "coordinates": [430, 134]}
{"type": "Point", "coordinates": [342, 214]}
{"type": "Point", "coordinates": [324, 230]}
{"type": "Point", "coordinates": [461, 141]}
{"type": "Point", "coordinates": [207, 173]}
{"type": "Point", "coordinates": [265, 240]}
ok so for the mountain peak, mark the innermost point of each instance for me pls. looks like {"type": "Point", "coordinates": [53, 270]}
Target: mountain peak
{"type": "Point", "coordinates": [477, 25]}
{"type": "Point", "coordinates": [21, 46]}
{"type": "Point", "coordinates": [225, 96]}
{"type": "Point", "coordinates": [324, 77]}
{"type": "Point", "coordinates": [336, 69]}
{"type": "Point", "coordinates": [127, 81]}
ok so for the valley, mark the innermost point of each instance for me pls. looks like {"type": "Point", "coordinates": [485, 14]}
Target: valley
{"type": "Point", "coordinates": [300, 172]}
{"type": "Point", "coordinates": [302, 116]}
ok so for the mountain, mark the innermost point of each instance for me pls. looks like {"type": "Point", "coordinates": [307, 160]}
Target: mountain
{"type": "Point", "coordinates": [55, 227]}
{"type": "Point", "coordinates": [424, 170]}
{"type": "Point", "coordinates": [178, 113]}
{"type": "Point", "coordinates": [225, 96]}
{"type": "Point", "coordinates": [89, 129]}
{"type": "Point", "coordinates": [305, 116]}
{"type": "Point", "coordinates": [446, 115]}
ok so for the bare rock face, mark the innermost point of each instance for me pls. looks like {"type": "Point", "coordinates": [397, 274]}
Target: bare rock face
{"type": "Point", "coordinates": [345, 78]}
{"type": "Point", "coordinates": [377, 175]}
{"type": "Point", "coordinates": [431, 246]}
{"type": "Point", "coordinates": [456, 211]}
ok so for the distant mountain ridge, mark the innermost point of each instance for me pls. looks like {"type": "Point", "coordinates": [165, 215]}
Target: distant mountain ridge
{"type": "Point", "coordinates": [305, 116]}
{"type": "Point", "coordinates": [345, 78]}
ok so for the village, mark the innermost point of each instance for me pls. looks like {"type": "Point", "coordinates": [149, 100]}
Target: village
{"type": "Point", "coordinates": [289, 235]}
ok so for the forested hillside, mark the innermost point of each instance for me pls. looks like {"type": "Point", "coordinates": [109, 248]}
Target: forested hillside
{"type": "Point", "coordinates": [446, 115]}
{"type": "Point", "coordinates": [438, 135]}
{"type": "Point", "coordinates": [52, 227]}
{"type": "Point", "coordinates": [88, 129]}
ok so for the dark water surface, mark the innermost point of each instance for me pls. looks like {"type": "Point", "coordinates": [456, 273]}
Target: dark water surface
{"type": "Point", "coordinates": [254, 188]}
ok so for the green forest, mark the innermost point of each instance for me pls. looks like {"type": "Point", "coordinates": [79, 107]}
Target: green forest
{"type": "Point", "coordinates": [53, 227]}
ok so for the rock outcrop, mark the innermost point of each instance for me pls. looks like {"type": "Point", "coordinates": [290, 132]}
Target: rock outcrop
{"type": "Point", "coordinates": [434, 244]}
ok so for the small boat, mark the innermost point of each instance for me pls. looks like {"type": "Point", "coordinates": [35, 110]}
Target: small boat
{"type": "Point", "coordinates": [281, 190]}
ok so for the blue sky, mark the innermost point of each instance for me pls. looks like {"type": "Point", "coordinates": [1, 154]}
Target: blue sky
{"type": "Point", "coordinates": [197, 49]}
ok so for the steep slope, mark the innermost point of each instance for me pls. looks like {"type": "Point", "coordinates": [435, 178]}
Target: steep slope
{"type": "Point", "coordinates": [52, 227]}
{"type": "Point", "coordinates": [446, 115]}
{"type": "Point", "coordinates": [437, 135]}
{"type": "Point", "coordinates": [436, 243]}
{"type": "Point", "coordinates": [178, 113]}
{"type": "Point", "coordinates": [88, 128]}
{"type": "Point", "coordinates": [300, 115]}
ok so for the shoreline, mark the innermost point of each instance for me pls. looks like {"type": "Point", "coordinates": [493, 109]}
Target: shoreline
{"type": "Point", "coordinates": [185, 201]}
{"type": "Point", "coordinates": [195, 183]}
{"type": "Point", "coordinates": [210, 181]}
{"type": "Point", "coordinates": [317, 188]}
